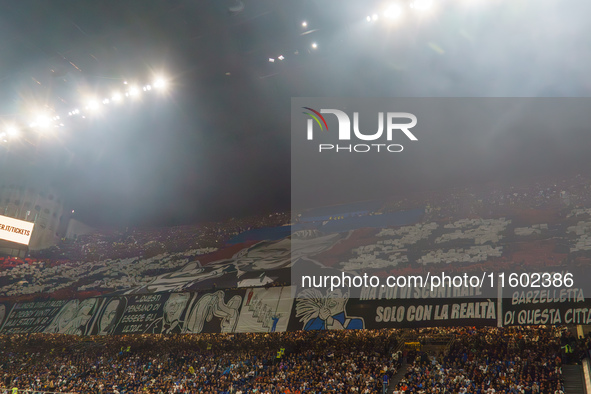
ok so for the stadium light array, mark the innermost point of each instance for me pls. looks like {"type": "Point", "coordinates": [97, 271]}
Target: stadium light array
{"type": "Point", "coordinates": [304, 24]}
{"type": "Point", "coordinates": [42, 120]}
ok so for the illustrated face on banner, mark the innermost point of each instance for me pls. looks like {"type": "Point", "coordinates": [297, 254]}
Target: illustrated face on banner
{"type": "Point", "coordinates": [319, 312]}
{"type": "Point", "coordinates": [229, 313]}
{"type": "Point", "coordinates": [210, 305]}
{"type": "Point", "coordinates": [109, 316]}
{"type": "Point", "coordinates": [85, 310]}
{"type": "Point", "coordinates": [63, 321]}
{"type": "Point", "coordinates": [68, 314]}
{"type": "Point", "coordinates": [173, 308]}
{"type": "Point", "coordinates": [336, 302]}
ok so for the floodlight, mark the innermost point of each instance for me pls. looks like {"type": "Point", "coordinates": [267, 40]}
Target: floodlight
{"type": "Point", "coordinates": [11, 131]}
{"type": "Point", "coordinates": [271, 60]}
{"type": "Point", "coordinates": [160, 83]}
{"type": "Point", "coordinates": [304, 24]}
{"type": "Point", "coordinates": [92, 105]}
{"type": "Point", "coordinates": [314, 45]}
{"type": "Point", "coordinates": [42, 121]}
{"type": "Point", "coordinates": [281, 57]}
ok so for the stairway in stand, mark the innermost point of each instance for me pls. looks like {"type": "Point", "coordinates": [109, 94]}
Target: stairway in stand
{"type": "Point", "coordinates": [573, 379]}
{"type": "Point", "coordinates": [397, 378]}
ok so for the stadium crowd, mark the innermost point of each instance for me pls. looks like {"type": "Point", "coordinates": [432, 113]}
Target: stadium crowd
{"type": "Point", "coordinates": [492, 360]}
{"type": "Point", "coordinates": [525, 360]}
{"type": "Point", "coordinates": [311, 362]}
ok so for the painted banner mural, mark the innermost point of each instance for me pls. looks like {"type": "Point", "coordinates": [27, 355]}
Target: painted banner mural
{"type": "Point", "coordinates": [274, 309]}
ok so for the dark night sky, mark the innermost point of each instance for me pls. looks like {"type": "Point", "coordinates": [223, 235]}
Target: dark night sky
{"type": "Point", "coordinates": [218, 145]}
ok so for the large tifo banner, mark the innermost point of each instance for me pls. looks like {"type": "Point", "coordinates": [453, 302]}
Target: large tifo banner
{"type": "Point", "coordinates": [233, 311]}
{"type": "Point", "coordinates": [274, 310]}
{"type": "Point", "coordinates": [221, 311]}
{"type": "Point", "coordinates": [17, 231]}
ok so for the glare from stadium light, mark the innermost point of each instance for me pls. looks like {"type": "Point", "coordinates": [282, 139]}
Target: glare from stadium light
{"type": "Point", "coordinates": [314, 45]}
{"type": "Point", "coordinates": [421, 5]}
{"type": "Point", "coordinates": [271, 60]}
{"type": "Point", "coordinates": [116, 97]}
{"type": "Point", "coordinates": [92, 105]}
{"type": "Point", "coordinates": [133, 91]}
{"type": "Point", "coordinates": [368, 18]}
{"type": "Point", "coordinates": [42, 121]}
{"type": "Point", "coordinates": [124, 82]}
{"type": "Point", "coordinates": [160, 83]}
{"type": "Point", "coordinates": [106, 101]}
{"type": "Point", "coordinates": [374, 17]}
{"type": "Point", "coordinates": [12, 131]}
{"type": "Point", "coordinates": [393, 12]}
{"type": "Point", "coordinates": [281, 57]}
{"type": "Point", "coordinates": [304, 24]}
{"type": "Point", "coordinates": [148, 87]}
